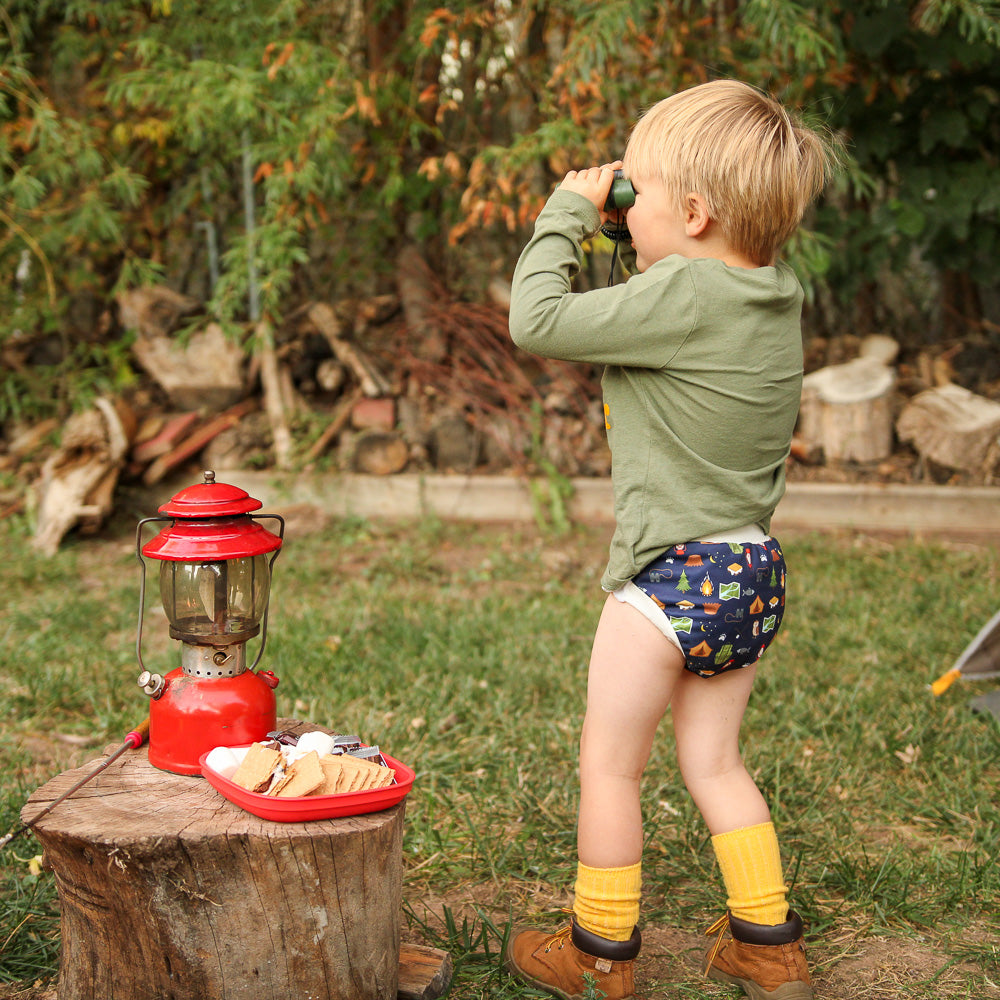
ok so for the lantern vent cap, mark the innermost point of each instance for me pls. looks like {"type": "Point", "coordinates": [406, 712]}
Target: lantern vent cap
{"type": "Point", "coordinates": [210, 499]}
{"type": "Point", "coordinates": [210, 522]}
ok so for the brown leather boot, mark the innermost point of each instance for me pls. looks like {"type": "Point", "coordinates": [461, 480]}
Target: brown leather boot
{"type": "Point", "coordinates": [767, 961]}
{"type": "Point", "coordinates": [557, 963]}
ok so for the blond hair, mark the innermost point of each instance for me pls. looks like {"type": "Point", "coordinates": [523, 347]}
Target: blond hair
{"type": "Point", "coordinates": [756, 166]}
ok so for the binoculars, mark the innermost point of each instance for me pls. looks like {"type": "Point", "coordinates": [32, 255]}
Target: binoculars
{"type": "Point", "coordinates": [621, 195]}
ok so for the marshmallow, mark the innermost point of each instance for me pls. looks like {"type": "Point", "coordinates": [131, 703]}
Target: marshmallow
{"type": "Point", "coordinates": [322, 743]}
{"type": "Point", "coordinates": [224, 761]}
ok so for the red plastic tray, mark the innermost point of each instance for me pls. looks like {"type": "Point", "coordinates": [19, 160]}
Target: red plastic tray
{"type": "Point", "coordinates": [309, 807]}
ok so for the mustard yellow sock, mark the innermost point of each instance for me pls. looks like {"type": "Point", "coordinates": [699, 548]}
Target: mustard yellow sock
{"type": "Point", "coordinates": [750, 863]}
{"type": "Point", "coordinates": [607, 900]}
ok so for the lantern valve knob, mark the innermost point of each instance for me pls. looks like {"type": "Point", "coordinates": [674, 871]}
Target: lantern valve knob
{"type": "Point", "coordinates": [151, 684]}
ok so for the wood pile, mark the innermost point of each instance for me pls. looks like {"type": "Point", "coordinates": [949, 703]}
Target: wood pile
{"type": "Point", "coordinates": [954, 428]}
{"type": "Point", "coordinates": [421, 382]}
{"type": "Point", "coordinates": [348, 385]}
{"type": "Point", "coordinates": [855, 412]}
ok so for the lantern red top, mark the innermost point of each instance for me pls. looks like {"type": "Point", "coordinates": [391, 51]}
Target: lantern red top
{"type": "Point", "coordinates": [212, 522]}
{"type": "Point", "coordinates": [210, 499]}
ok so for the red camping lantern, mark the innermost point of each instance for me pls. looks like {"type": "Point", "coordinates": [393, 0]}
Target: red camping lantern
{"type": "Point", "coordinates": [215, 581]}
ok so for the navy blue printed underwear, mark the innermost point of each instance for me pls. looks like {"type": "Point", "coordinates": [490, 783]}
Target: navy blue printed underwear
{"type": "Point", "coordinates": [724, 600]}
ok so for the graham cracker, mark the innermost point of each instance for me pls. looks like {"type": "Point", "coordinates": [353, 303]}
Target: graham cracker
{"type": "Point", "coordinates": [256, 768]}
{"type": "Point", "coordinates": [365, 774]}
{"type": "Point", "coordinates": [344, 773]}
{"type": "Point", "coordinates": [303, 777]}
{"type": "Point", "coordinates": [338, 779]}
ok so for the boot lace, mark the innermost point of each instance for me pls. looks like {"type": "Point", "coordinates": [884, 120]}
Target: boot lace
{"type": "Point", "coordinates": [719, 927]}
{"type": "Point", "coordinates": [559, 939]}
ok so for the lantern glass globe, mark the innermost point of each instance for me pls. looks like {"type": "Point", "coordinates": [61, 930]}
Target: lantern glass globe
{"type": "Point", "coordinates": [215, 602]}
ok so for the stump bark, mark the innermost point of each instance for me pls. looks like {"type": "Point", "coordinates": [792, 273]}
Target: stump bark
{"type": "Point", "coordinates": [168, 891]}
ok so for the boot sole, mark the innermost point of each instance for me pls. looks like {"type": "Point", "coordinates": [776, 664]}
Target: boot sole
{"type": "Point", "coordinates": [512, 969]}
{"type": "Point", "coordinates": [786, 991]}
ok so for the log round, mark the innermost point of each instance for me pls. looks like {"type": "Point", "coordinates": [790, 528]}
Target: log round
{"type": "Point", "coordinates": [848, 410]}
{"type": "Point", "coordinates": [168, 891]}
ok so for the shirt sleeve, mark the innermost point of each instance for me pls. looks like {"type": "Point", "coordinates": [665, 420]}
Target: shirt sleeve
{"type": "Point", "coordinates": [639, 323]}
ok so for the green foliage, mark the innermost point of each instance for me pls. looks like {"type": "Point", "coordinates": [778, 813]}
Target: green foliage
{"type": "Point", "coordinates": [921, 103]}
{"type": "Point", "coordinates": [308, 144]}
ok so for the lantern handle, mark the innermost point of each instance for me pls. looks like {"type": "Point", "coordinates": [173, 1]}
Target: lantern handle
{"type": "Point", "coordinates": [270, 566]}
{"type": "Point", "coordinates": [142, 583]}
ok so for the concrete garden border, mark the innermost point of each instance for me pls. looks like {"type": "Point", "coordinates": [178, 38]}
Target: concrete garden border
{"type": "Point", "coordinates": [818, 506]}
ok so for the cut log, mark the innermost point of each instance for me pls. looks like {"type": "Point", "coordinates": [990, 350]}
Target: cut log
{"type": "Point", "coordinates": [424, 973]}
{"type": "Point", "coordinates": [166, 889]}
{"type": "Point", "coordinates": [413, 278]}
{"type": "Point", "coordinates": [847, 410]}
{"type": "Point", "coordinates": [379, 454]}
{"type": "Point", "coordinates": [77, 481]}
{"type": "Point", "coordinates": [954, 428]}
{"type": "Point", "coordinates": [26, 442]}
{"type": "Point", "coordinates": [205, 371]}
{"type": "Point", "coordinates": [878, 347]}
{"type": "Point", "coordinates": [373, 383]}
{"type": "Point", "coordinates": [164, 438]}
{"type": "Point", "coordinates": [806, 452]}
{"type": "Point", "coordinates": [154, 311]}
{"type": "Point", "coordinates": [196, 440]}
{"type": "Point", "coordinates": [454, 444]}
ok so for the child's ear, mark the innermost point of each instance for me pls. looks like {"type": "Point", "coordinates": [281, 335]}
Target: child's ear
{"type": "Point", "coordinates": [696, 217]}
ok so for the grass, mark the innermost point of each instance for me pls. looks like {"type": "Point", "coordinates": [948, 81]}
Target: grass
{"type": "Point", "coordinates": [463, 650]}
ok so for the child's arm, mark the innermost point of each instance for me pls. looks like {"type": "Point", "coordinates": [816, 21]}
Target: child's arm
{"type": "Point", "coordinates": [639, 323]}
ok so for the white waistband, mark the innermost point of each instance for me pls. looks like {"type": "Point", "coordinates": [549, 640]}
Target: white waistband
{"type": "Point", "coordinates": [748, 533]}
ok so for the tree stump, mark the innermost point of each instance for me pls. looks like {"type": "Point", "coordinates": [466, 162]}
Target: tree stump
{"type": "Point", "coordinates": [954, 428]}
{"type": "Point", "coordinates": [847, 409]}
{"type": "Point", "coordinates": [168, 891]}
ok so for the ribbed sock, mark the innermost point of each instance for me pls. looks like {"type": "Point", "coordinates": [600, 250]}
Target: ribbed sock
{"type": "Point", "coordinates": [750, 862]}
{"type": "Point", "coordinates": [607, 900]}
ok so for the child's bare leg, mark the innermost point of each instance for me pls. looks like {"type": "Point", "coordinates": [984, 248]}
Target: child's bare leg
{"type": "Point", "coordinates": [633, 670]}
{"type": "Point", "coordinates": [764, 953]}
{"type": "Point", "coordinates": [707, 714]}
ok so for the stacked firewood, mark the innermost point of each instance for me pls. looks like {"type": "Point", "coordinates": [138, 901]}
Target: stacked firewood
{"type": "Point", "coordinates": [411, 382]}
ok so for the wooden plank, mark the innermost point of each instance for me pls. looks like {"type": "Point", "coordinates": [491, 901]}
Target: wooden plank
{"type": "Point", "coordinates": [197, 440]}
{"type": "Point", "coordinates": [811, 506]}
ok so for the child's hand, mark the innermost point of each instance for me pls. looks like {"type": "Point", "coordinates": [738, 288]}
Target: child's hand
{"type": "Point", "coordinates": [594, 183]}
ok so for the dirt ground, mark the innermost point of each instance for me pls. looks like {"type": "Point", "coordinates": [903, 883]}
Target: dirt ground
{"type": "Point", "coordinates": [873, 969]}
{"type": "Point", "coordinates": [847, 968]}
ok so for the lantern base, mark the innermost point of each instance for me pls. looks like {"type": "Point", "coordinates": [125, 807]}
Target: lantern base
{"type": "Point", "coordinates": [198, 714]}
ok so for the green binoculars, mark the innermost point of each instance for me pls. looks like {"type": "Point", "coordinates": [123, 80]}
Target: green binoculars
{"type": "Point", "coordinates": [621, 195]}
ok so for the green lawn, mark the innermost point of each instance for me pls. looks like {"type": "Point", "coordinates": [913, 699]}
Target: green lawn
{"type": "Point", "coordinates": [463, 650]}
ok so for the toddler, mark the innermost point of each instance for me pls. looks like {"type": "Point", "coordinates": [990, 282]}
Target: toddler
{"type": "Point", "coordinates": [703, 370]}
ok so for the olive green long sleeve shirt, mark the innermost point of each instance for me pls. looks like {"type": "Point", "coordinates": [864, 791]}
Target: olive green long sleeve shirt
{"type": "Point", "coordinates": [702, 380]}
